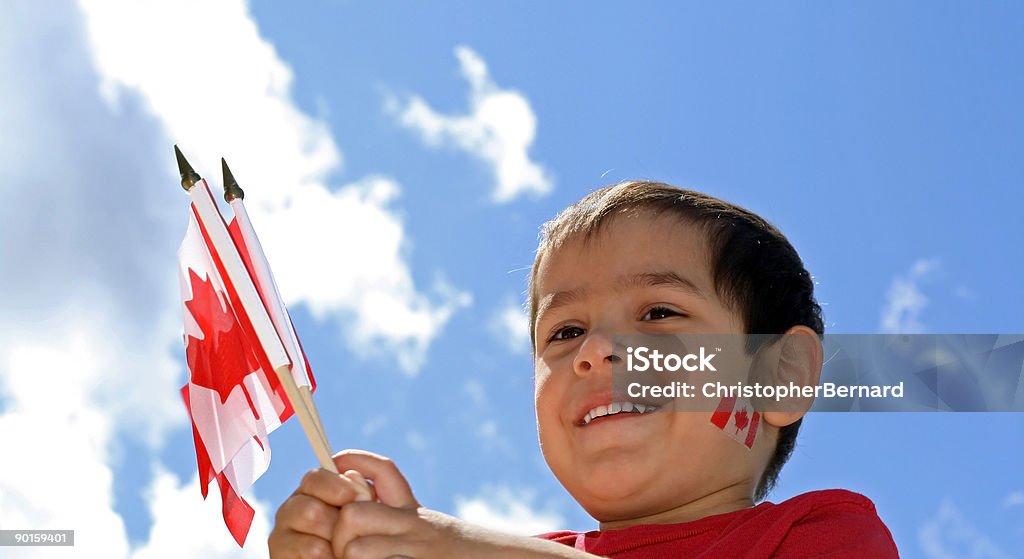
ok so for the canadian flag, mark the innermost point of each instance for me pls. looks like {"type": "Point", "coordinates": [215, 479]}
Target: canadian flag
{"type": "Point", "coordinates": [737, 418]}
{"type": "Point", "coordinates": [233, 394]}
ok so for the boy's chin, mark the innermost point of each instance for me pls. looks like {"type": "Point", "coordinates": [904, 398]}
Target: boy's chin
{"type": "Point", "coordinates": [610, 480]}
{"type": "Point", "coordinates": [620, 507]}
{"type": "Point", "coordinates": [612, 497]}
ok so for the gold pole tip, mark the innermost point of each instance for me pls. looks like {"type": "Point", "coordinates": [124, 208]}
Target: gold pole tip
{"type": "Point", "coordinates": [231, 188]}
{"type": "Point", "coordinates": [189, 177]}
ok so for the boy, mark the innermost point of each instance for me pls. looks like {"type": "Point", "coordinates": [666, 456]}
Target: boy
{"type": "Point", "coordinates": [637, 258]}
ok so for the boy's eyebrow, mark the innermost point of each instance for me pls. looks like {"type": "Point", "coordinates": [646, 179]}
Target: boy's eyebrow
{"type": "Point", "coordinates": [647, 279]}
{"type": "Point", "coordinates": [656, 279]}
{"type": "Point", "coordinates": [558, 299]}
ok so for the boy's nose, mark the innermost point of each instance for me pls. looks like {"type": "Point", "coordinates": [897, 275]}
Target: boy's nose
{"type": "Point", "coordinates": [596, 352]}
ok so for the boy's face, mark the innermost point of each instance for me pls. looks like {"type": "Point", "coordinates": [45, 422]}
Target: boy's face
{"type": "Point", "coordinates": [630, 465]}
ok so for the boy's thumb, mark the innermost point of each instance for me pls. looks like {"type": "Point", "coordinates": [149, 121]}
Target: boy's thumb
{"type": "Point", "coordinates": [389, 483]}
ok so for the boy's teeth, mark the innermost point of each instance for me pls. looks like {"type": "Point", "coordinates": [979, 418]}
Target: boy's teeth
{"type": "Point", "coordinates": [617, 407]}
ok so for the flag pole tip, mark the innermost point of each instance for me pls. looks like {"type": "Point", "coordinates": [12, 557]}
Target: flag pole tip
{"type": "Point", "coordinates": [189, 177]}
{"type": "Point", "coordinates": [231, 188]}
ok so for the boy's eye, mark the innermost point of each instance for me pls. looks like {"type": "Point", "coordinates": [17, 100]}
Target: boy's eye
{"type": "Point", "coordinates": [657, 313]}
{"type": "Point", "coordinates": [566, 333]}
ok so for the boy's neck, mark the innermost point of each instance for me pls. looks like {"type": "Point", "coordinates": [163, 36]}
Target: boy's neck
{"type": "Point", "coordinates": [720, 502]}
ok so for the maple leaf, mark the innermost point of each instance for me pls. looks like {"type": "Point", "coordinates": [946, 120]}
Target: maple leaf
{"type": "Point", "coordinates": [222, 358]}
{"type": "Point", "coordinates": [741, 419]}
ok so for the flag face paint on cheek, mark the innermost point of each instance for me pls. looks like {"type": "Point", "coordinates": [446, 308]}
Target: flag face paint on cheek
{"type": "Point", "coordinates": [737, 418]}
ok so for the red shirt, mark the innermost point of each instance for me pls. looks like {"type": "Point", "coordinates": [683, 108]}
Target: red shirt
{"type": "Point", "coordinates": [834, 523]}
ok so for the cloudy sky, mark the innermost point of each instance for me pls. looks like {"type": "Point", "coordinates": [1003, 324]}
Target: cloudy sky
{"type": "Point", "coordinates": [398, 160]}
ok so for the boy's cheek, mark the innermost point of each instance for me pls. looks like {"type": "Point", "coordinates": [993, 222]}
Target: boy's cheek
{"type": "Point", "coordinates": [548, 416]}
{"type": "Point", "coordinates": [548, 388]}
{"type": "Point", "coordinates": [541, 387]}
{"type": "Point", "coordinates": [548, 405]}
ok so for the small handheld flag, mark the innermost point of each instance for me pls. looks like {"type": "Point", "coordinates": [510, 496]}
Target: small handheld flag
{"type": "Point", "coordinates": [247, 370]}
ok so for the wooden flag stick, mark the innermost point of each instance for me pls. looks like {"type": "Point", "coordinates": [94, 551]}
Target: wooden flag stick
{"type": "Point", "coordinates": [307, 397]}
{"type": "Point", "coordinates": [308, 417]}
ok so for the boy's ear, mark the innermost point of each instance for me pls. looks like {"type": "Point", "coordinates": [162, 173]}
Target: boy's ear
{"type": "Point", "coordinates": [799, 354]}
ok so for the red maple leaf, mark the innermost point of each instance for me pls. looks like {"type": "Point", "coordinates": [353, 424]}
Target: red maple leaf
{"type": "Point", "coordinates": [222, 358]}
{"type": "Point", "coordinates": [741, 419]}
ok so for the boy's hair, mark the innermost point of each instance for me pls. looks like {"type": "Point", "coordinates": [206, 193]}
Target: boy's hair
{"type": "Point", "coordinates": [756, 271]}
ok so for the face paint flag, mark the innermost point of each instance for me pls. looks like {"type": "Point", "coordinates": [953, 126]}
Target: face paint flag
{"type": "Point", "coordinates": [247, 370]}
{"type": "Point", "coordinates": [737, 418]}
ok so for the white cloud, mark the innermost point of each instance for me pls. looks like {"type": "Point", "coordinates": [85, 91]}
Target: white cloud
{"type": "Point", "coordinates": [218, 88]}
{"type": "Point", "coordinates": [905, 300]}
{"type": "Point", "coordinates": [964, 292]}
{"type": "Point", "coordinates": [88, 231]}
{"type": "Point", "coordinates": [187, 526]}
{"type": "Point", "coordinates": [488, 430]}
{"type": "Point", "coordinates": [498, 129]}
{"type": "Point", "coordinates": [476, 391]}
{"type": "Point", "coordinates": [373, 425]}
{"type": "Point", "coordinates": [1014, 499]}
{"type": "Point", "coordinates": [87, 240]}
{"type": "Point", "coordinates": [511, 327]}
{"type": "Point", "coordinates": [56, 444]}
{"type": "Point", "coordinates": [364, 276]}
{"type": "Point", "coordinates": [950, 535]}
{"type": "Point", "coordinates": [90, 318]}
{"type": "Point", "coordinates": [507, 510]}
{"type": "Point", "coordinates": [491, 439]}
{"type": "Point", "coordinates": [416, 440]}
{"type": "Point", "coordinates": [58, 470]}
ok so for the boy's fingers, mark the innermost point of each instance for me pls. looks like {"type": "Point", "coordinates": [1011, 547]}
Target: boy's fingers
{"type": "Point", "coordinates": [329, 487]}
{"type": "Point", "coordinates": [285, 544]}
{"type": "Point", "coordinates": [391, 486]}
{"type": "Point", "coordinates": [366, 519]}
{"type": "Point", "coordinates": [372, 547]}
{"type": "Point", "coordinates": [307, 515]}
{"type": "Point", "coordinates": [366, 492]}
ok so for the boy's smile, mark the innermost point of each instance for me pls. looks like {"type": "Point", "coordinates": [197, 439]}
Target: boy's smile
{"type": "Point", "coordinates": [619, 409]}
{"type": "Point", "coordinates": [625, 461]}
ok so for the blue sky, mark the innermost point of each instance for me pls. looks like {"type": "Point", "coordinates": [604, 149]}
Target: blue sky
{"type": "Point", "coordinates": [398, 161]}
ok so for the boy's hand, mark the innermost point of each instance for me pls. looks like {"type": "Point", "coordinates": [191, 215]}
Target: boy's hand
{"type": "Point", "coordinates": [397, 526]}
{"type": "Point", "coordinates": [305, 522]}
{"type": "Point", "coordinates": [330, 516]}
{"type": "Point", "coordinates": [376, 531]}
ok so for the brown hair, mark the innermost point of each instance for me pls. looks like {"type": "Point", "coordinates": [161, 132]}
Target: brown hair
{"type": "Point", "coordinates": [756, 271]}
